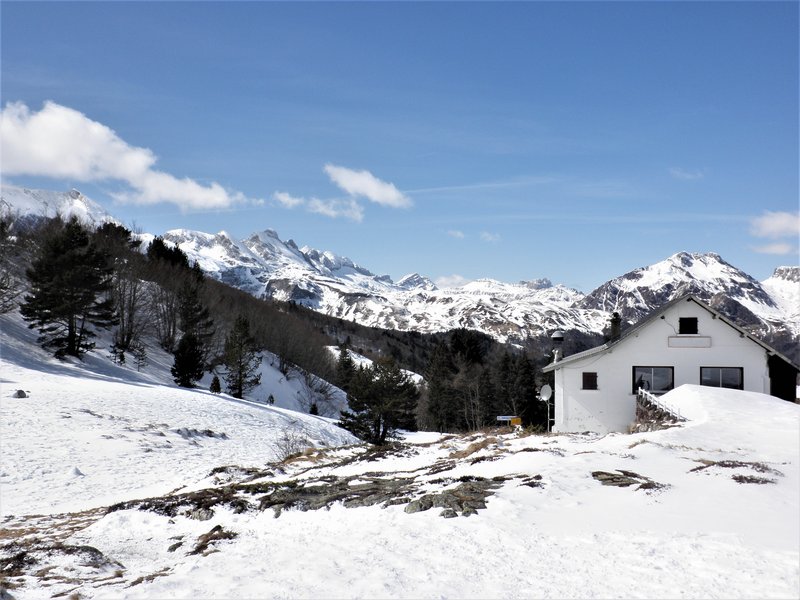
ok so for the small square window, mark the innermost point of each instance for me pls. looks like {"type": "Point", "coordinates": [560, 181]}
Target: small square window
{"type": "Point", "coordinates": [687, 326]}
{"type": "Point", "coordinates": [589, 381]}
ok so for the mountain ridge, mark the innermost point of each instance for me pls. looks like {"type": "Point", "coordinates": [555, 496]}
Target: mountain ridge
{"type": "Point", "coordinates": [267, 267]}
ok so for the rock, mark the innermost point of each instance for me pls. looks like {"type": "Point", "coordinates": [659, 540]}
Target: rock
{"type": "Point", "coordinates": [448, 513]}
{"type": "Point", "coordinates": [20, 394]}
{"type": "Point", "coordinates": [201, 514]}
{"type": "Point", "coordinates": [419, 505]}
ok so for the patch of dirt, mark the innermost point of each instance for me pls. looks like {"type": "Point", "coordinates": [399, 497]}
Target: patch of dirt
{"type": "Point", "coordinates": [735, 464]}
{"type": "Point", "coordinates": [624, 478]}
{"type": "Point", "coordinates": [205, 541]}
{"type": "Point", "coordinates": [752, 479]}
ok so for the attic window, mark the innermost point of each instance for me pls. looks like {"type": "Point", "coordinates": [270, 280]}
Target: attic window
{"type": "Point", "coordinates": [687, 326]}
{"type": "Point", "coordinates": [589, 381]}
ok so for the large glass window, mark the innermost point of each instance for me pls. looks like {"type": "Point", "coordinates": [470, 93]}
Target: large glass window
{"type": "Point", "coordinates": [656, 380]}
{"type": "Point", "coordinates": [727, 377]}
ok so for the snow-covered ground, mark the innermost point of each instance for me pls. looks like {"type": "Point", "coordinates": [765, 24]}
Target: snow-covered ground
{"type": "Point", "coordinates": [711, 509]}
{"type": "Point", "coordinates": [94, 433]}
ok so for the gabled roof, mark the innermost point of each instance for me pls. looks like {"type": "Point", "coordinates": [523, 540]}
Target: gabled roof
{"type": "Point", "coordinates": [652, 317]}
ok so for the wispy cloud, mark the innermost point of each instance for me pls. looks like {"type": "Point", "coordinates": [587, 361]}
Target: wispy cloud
{"type": "Point", "coordinates": [455, 233]}
{"type": "Point", "coordinates": [62, 143]}
{"type": "Point", "coordinates": [451, 281]}
{"type": "Point", "coordinates": [514, 182]}
{"type": "Point", "coordinates": [347, 208]}
{"type": "Point", "coordinates": [357, 184]}
{"type": "Point", "coordinates": [775, 225]}
{"type": "Point", "coordinates": [686, 174]}
{"type": "Point", "coordinates": [287, 200]}
{"type": "Point", "coordinates": [490, 237]}
{"type": "Point", "coordinates": [776, 248]}
{"type": "Point", "coordinates": [363, 184]}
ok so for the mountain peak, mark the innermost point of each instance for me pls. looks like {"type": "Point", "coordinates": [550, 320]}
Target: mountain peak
{"type": "Point", "coordinates": [787, 274]}
{"type": "Point", "coordinates": [537, 284]}
{"type": "Point", "coordinates": [34, 204]}
{"type": "Point", "coordinates": [415, 281]}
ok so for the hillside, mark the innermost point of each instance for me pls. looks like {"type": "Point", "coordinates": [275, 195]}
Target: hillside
{"type": "Point", "coordinates": [113, 484]}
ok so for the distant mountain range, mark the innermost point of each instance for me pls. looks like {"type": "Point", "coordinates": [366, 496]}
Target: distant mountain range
{"type": "Point", "coordinates": [268, 267]}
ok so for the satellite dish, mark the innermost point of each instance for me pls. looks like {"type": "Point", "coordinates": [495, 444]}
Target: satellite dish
{"type": "Point", "coordinates": [545, 392]}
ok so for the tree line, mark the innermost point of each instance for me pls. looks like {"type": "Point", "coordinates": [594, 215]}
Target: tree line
{"type": "Point", "coordinates": [70, 281]}
{"type": "Point", "coordinates": [79, 280]}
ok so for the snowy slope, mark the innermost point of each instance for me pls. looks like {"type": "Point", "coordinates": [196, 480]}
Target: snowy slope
{"type": "Point", "coordinates": [93, 433]}
{"type": "Point", "coordinates": [17, 201]}
{"type": "Point", "coordinates": [684, 526]}
{"type": "Point", "coordinates": [784, 288]}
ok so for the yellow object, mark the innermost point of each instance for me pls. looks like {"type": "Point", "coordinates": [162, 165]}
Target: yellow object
{"type": "Point", "coordinates": [516, 421]}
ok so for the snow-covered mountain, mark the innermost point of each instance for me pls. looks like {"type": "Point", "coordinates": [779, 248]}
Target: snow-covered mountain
{"type": "Point", "coordinates": [268, 267]}
{"type": "Point", "coordinates": [26, 203]}
{"type": "Point", "coordinates": [766, 308]}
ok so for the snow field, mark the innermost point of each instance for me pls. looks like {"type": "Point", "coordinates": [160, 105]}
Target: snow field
{"type": "Point", "coordinates": [93, 434]}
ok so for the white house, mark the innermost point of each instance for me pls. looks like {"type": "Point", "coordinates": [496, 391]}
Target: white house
{"type": "Point", "coordinates": [685, 341]}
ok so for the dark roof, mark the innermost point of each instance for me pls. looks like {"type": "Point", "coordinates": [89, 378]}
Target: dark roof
{"type": "Point", "coordinates": [655, 315]}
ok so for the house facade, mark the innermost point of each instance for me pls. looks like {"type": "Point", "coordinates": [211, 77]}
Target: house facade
{"type": "Point", "coordinates": [686, 341]}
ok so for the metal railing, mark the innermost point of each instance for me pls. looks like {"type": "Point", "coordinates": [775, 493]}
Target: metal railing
{"type": "Point", "coordinates": [645, 398]}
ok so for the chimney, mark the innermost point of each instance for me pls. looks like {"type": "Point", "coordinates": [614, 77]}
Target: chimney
{"type": "Point", "coordinates": [616, 321]}
{"type": "Point", "coordinates": [558, 342]}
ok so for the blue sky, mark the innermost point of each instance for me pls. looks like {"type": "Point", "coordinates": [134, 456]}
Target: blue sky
{"type": "Point", "coordinates": [516, 140]}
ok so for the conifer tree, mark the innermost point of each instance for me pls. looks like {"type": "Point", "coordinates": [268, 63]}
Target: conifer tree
{"type": "Point", "coordinates": [241, 359]}
{"type": "Point", "coordinates": [189, 363]}
{"type": "Point", "coordinates": [215, 387]}
{"type": "Point", "coordinates": [382, 400]}
{"type": "Point", "coordinates": [193, 348]}
{"type": "Point", "coordinates": [345, 368]}
{"type": "Point", "coordinates": [442, 401]}
{"type": "Point", "coordinates": [70, 283]}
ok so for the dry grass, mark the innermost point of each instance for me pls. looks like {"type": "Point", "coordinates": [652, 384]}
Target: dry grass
{"type": "Point", "coordinates": [474, 447]}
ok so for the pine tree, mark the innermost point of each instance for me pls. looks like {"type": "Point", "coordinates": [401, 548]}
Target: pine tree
{"type": "Point", "coordinates": [215, 387]}
{"type": "Point", "coordinates": [193, 349]}
{"type": "Point", "coordinates": [70, 284]}
{"type": "Point", "coordinates": [189, 363]}
{"type": "Point", "coordinates": [345, 368]}
{"type": "Point", "coordinates": [382, 400]}
{"type": "Point", "coordinates": [241, 359]}
{"type": "Point", "coordinates": [442, 400]}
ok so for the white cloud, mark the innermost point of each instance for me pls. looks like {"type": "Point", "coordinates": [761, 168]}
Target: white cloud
{"type": "Point", "coordinates": [456, 234]}
{"type": "Point", "coordinates": [451, 281]}
{"type": "Point", "coordinates": [776, 248]}
{"type": "Point", "coordinates": [349, 208]}
{"type": "Point", "coordinates": [490, 237]}
{"type": "Point", "coordinates": [61, 142]}
{"type": "Point", "coordinates": [365, 185]}
{"type": "Point", "coordinates": [287, 200]}
{"type": "Point", "coordinates": [776, 225]}
{"type": "Point", "coordinates": [686, 174]}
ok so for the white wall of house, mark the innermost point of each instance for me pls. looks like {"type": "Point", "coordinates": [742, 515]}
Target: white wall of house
{"type": "Point", "coordinates": [611, 407]}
